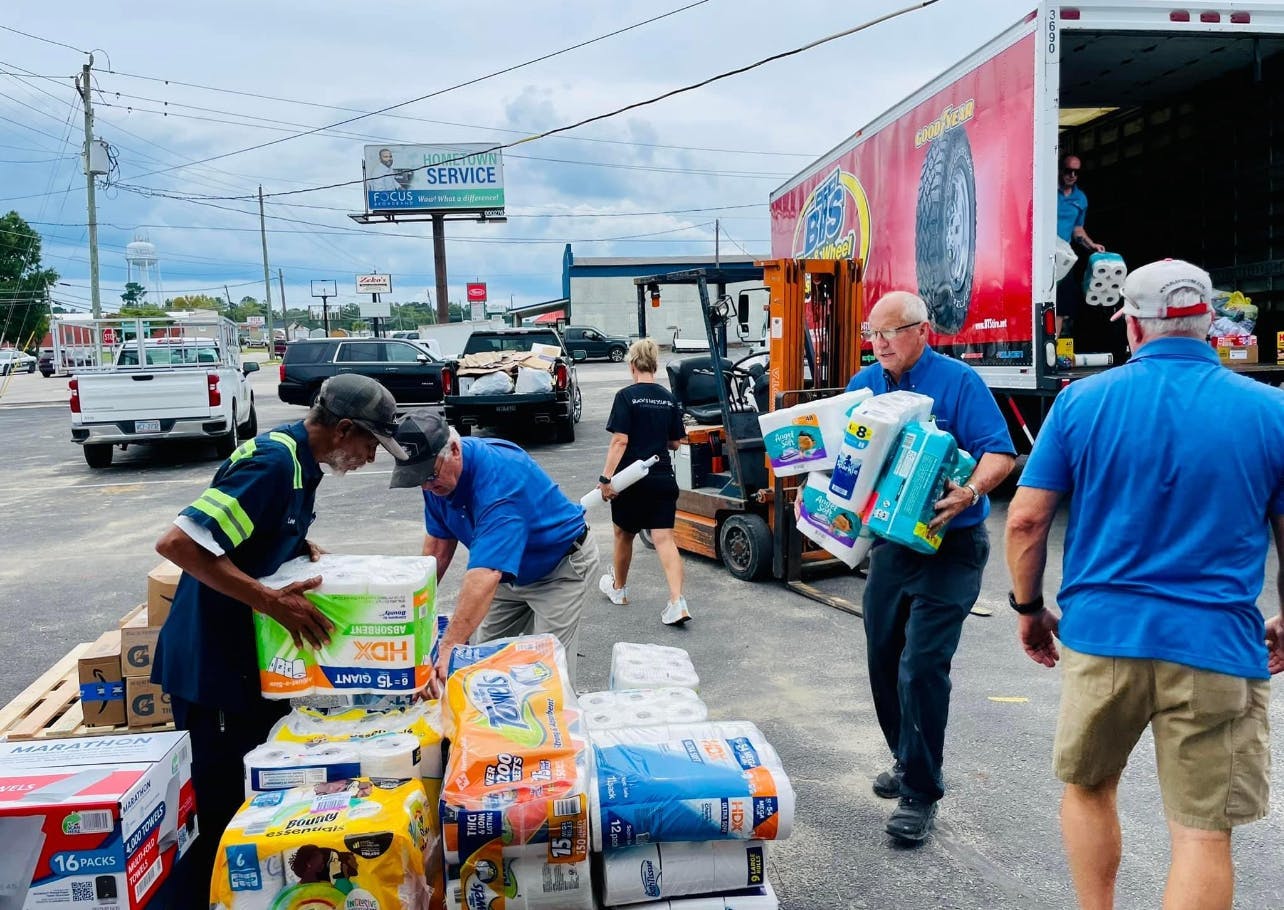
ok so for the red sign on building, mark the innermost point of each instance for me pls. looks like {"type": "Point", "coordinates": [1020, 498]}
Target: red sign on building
{"type": "Point", "coordinates": [477, 292]}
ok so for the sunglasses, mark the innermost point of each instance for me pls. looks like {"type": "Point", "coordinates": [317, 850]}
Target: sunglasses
{"type": "Point", "coordinates": [888, 334]}
{"type": "Point", "coordinates": [1069, 170]}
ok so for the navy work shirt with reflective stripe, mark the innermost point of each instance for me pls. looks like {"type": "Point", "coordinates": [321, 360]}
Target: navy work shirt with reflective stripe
{"type": "Point", "coordinates": [258, 509]}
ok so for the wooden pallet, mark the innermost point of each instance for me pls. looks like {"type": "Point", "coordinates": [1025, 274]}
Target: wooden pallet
{"type": "Point", "coordinates": [49, 708]}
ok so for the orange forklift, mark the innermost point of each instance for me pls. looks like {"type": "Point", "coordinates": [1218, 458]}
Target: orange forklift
{"type": "Point", "coordinates": [731, 506]}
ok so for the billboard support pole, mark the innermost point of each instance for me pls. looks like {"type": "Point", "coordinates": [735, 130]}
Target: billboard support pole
{"type": "Point", "coordinates": [439, 266]}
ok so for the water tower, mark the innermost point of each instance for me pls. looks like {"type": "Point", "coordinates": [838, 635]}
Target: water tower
{"type": "Point", "coordinates": [143, 268]}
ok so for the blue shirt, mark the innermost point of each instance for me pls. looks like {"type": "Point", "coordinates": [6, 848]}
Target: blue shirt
{"type": "Point", "coordinates": [964, 407]}
{"type": "Point", "coordinates": [1071, 211]}
{"type": "Point", "coordinates": [258, 509]}
{"type": "Point", "coordinates": [510, 515]}
{"type": "Point", "coordinates": [1174, 464]}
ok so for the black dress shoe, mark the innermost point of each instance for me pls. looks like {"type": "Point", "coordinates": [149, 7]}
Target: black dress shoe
{"type": "Point", "coordinates": [912, 819]}
{"type": "Point", "coordinates": [888, 783]}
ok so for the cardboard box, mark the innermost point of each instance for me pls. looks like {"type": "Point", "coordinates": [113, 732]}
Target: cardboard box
{"type": "Point", "coordinates": [145, 704]}
{"type": "Point", "coordinates": [1065, 348]}
{"type": "Point", "coordinates": [1236, 348]}
{"type": "Point", "coordinates": [102, 685]}
{"type": "Point", "coordinates": [161, 582]}
{"type": "Point", "coordinates": [130, 617]}
{"type": "Point", "coordinates": [94, 821]}
{"type": "Point", "coordinates": [137, 645]}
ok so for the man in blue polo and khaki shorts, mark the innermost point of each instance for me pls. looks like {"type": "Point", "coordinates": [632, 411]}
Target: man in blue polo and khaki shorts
{"type": "Point", "coordinates": [1174, 469]}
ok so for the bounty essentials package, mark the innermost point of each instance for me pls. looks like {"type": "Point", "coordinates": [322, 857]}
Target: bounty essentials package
{"type": "Point", "coordinates": [641, 708]}
{"type": "Point", "coordinates": [650, 872]}
{"type": "Point", "coordinates": [343, 844]}
{"type": "Point", "coordinates": [869, 436]}
{"type": "Point", "coordinates": [834, 526]}
{"type": "Point", "coordinates": [806, 437]}
{"type": "Point", "coordinates": [903, 504]}
{"type": "Point", "coordinates": [422, 720]}
{"type": "Point", "coordinates": [93, 821]}
{"type": "Point", "coordinates": [690, 789]}
{"type": "Point", "coordinates": [645, 666]}
{"type": "Point", "coordinates": [384, 612]}
{"type": "Point", "coordinates": [1103, 279]}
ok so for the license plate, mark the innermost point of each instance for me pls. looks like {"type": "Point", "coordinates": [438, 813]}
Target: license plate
{"type": "Point", "coordinates": [146, 426]}
{"type": "Point", "coordinates": [506, 407]}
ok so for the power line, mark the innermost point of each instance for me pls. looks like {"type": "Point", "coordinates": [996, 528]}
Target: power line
{"type": "Point", "coordinates": [45, 40]}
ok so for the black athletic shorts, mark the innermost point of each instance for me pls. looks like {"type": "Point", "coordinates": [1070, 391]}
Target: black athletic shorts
{"type": "Point", "coordinates": [650, 503]}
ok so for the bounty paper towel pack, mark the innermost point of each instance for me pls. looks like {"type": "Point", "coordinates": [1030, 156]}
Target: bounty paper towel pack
{"type": "Point", "coordinates": [869, 436]}
{"type": "Point", "coordinates": [647, 666]}
{"type": "Point", "coordinates": [650, 872]}
{"type": "Point", "coordinates": [641, 708]}
{"type": "Point", "coordinates": [384, 612]}
{"type": "Point", "coordinates": [903, 504]}
{"type": "Point", "coordinates": [1103, 279]}
{"type": "Point", "coordinates": [834, 526]}
{"type": "Point", "coordinates": [806, 437]}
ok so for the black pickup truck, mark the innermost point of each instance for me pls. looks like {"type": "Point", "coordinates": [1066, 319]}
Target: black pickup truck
{"type": "Point", "coordinates": [405, 369]}
{"type": "Point", "coordinates": [560, 407]}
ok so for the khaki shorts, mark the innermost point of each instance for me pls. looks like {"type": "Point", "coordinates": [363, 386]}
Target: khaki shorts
{"type": "Point", "coordinates": [1212, 736]}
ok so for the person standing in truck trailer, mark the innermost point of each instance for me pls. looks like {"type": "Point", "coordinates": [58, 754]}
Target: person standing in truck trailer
{"type": "Point", "coordinates": [253, 518]}
{"type": "Point", "coordinates": [1072, 212]}
{"type": "Point", "coordinates": [1159, 622]}
{"type": "Point", "coordinates": [915, 604]}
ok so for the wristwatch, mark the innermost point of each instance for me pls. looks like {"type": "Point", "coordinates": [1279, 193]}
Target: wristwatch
{"type": "Point", "coordinates": [976, 494]}
{"type": "Point", "coordinates": [602, 478]}
{"type": "Point", "coordinates": [1025, 609]}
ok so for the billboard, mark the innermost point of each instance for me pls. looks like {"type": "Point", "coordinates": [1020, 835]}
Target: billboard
{"type": "Point", "coordinates": [466, 177]}
{"type": "Point", "coordinates": [374, 284]}
{"type": "Point", "coordinates": [941, 202]}
{"type": "Point", "coordinates": [476, 292]}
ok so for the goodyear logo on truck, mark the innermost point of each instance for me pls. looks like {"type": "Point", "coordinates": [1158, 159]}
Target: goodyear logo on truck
{"type": "Point", "coordinates": [834, 223]}
{"type": "Point", "coordinates": [951, 117]}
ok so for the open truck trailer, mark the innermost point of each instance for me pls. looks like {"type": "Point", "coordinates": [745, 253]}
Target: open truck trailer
{"type": "Point", "coordinates": [1177, 114]}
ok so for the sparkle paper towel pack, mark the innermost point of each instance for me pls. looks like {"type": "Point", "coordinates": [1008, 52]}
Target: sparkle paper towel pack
{"type": "Point", "coordinates": [807, 436]}
{"type": "Point", "coordinates": [384, 612]}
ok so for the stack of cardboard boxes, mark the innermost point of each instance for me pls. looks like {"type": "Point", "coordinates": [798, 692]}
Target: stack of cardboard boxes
{"type": "Point", "coordinates": [115, 672]}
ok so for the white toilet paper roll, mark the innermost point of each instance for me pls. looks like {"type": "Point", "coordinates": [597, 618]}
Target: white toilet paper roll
{"type": "Point", "coordinates": [660, 871]}
{"type": "Point", "coordinates": [642, 707]}
{"type": "Point", "coordinates": [275, 766]}
{"type": "Point", "coordinates": [763, 898]}
{"type": "Point", "coordinates": [396, 755]}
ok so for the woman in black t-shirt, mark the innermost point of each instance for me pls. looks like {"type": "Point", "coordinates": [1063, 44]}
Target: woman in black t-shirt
{"type": "Point", "coordinates": [645, 420]}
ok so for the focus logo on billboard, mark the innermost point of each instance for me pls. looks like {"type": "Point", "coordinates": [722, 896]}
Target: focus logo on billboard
{"type": "Point", "coordinates": [834, 223]}
{"type": "Point", "coordinates": [951, 117]}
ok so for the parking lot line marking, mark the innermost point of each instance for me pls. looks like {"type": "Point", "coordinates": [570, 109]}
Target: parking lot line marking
{"type": "Point", "coordinates": [1009, 699]}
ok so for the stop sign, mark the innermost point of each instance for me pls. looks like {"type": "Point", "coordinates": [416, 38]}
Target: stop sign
{"type": "Point", "coordinates": [109, 336]}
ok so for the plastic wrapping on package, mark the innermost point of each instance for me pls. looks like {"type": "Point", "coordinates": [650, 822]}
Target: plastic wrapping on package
{"type": "Point", "coordinates": [523, 879]}
{"type": "Point", "coordinates": [384, 612]}
{"type": "Point", "coordinates": [613, 710]}
{"type": "Point", "coordinates": [763, 898]}
{"type": "Point", "coordinates": [648, 872]}
{"type": "Point", "coordinates": [284, 766]}
{"type": "Point", "coordinates": [834, 526]}
{"type": "Point", "coordinates": [903, 505]}
{"type": "Point", "coordinates": [868, 439]}
{"type": "Point", "coordinates": [1103, 279]}
{"type": "Point", "coordinates": [421, 720]}
{"type": "Point", "coordinates": [646, 666]}
{"type": "Point", "coordinates": [807, 436]}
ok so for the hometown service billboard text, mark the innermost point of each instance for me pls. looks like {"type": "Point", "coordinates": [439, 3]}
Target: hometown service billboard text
{"type": "Point", "coordinates": [939, 202]}
{"type": "Point", "coordinates": [440, 178]}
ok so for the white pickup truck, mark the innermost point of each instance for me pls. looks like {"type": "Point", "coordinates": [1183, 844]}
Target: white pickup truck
{"type": "Point", "coordinates": [169, 380]}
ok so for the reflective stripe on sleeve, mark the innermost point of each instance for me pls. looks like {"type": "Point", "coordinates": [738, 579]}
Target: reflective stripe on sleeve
{"type": "Point", "coordinates": [225, 510]}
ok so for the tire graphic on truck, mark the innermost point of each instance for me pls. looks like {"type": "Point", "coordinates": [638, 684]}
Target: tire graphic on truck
{"type": "Point", "coordinates": [945, 230]}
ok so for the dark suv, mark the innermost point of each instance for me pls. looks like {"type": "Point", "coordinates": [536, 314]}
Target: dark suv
{"type": "Point", "coordinates": [405, 369]}
{"type": "Point", "coordinates": [595, 343]}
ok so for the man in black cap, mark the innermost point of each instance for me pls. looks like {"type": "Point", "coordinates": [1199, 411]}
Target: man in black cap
{"type": "Point", "coordinates": [253, 518]}
{"type": "Point", "coordinates": [531, 564]}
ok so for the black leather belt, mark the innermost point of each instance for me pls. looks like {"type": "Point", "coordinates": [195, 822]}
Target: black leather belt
{"type": "Point", "coordinates": [579, 541]}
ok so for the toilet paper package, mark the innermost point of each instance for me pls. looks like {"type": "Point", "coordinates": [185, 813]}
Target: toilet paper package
{"type": "Point", "coordinates": [422, 720]}
{"type": "Point", "coordinates": [523, 879]}
{"type": "Point", "coordinates": [763, 898]}
{"type": "Point", "coordinates": [868, 438]}
{"type": "Point", "coordinates": [687, 790]}
{"type": "Point", "coordinates": [650, 872]}
{"type": "Point", "coordinates": [384, 614]}
{"type": "Point", "coordinates": [1103, 279]}
{"type": "Point", "coordinates": [806, 437]}
{"type": "Point", "coordinates": [274, 766]}
{"type": "Point", "coordinates": [647, 666]}
{"type": "Point", "coordinates": [347, 843]}
{"type": "Point", "coordinates": [612, 710]}
{"type": "Point", "coordinates": [833, 525]}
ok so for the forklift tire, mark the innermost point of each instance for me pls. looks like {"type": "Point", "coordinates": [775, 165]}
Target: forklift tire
{"type": "Point", "coordinates": [97, 455]}
{"type": "Point", "coordinates": [744, 542]}
{"type": "Point", "coordinates": [945, 231]}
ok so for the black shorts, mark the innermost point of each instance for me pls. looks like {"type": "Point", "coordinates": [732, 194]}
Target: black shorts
{"type": "Point", "coordinates": [649, 504]}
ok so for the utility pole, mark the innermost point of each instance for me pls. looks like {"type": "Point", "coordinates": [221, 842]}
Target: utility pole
{"type": "Point", "coordinates": [85, 87]}
{"type": "Point", "coordinates": [439, 265]}
{"type": "Point", "coordinates": [228, 295]}
{"type": "Point", "coordinates": [717, 233]}
{"type": "Point", "coordinates": [285, 320]}
{"type": "Point", "coordinates": [267, 277]}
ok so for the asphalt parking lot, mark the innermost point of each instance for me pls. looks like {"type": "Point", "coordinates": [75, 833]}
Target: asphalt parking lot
{"type": "Point", "coordinates": [77, 543]}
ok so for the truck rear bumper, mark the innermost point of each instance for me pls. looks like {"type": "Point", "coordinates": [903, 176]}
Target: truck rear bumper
{"type": "Point", "coordinates": [502, 410]}
{"type": "Point", "coordinates": [126, 432]}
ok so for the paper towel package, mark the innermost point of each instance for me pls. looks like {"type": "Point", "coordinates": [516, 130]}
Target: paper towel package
{"type": "Point", "coordinates": [903, 504]}
{"type": "Point", "coordinates": [868, 438]}
{"type": "Point", "coordinates": [422, 720]}
{"type": "Point", "coordinates": [1103, 279]}
{"type": "Point", "coordinates": [347, 843]}
{"type": "Point", "coordinates": [716, 733]}
{"type": "Point", "coordinates": [612, 710]}
{"type": "Point", "coordinates": [649, 872]}
{"type": "Point", "coordinates": [763, 898]}
{"type": "Point", "coordinates": [647, 666]}
{"type": "Point", "coordinates": [524, 880]}
{"type": "Point", "coordinates": [122, 807]}
{"type": "Point", "coordinates": [806, 437]}
{"type": "Point", "coordinates": [384, 612]}
{"type": "Point", "coordinates": [833, 525]}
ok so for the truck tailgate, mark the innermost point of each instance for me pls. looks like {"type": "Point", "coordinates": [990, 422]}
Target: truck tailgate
{"type": "Point", "coordinates": [144, 395]}
{"type": "Point", "coordinates": [512, 399]}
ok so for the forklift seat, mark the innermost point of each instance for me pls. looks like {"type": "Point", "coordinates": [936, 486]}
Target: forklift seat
{"type": "Point", "coordinates": [694, 384]}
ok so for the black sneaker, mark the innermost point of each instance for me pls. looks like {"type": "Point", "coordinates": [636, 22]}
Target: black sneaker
{"type": "Point", "coordinates": [912, 819]}
{"type": "Point", "coordinates": [888, 783]}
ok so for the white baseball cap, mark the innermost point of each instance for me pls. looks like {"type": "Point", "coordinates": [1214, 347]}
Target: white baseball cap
{"type": "Point", "coordinates": [1167, 289]}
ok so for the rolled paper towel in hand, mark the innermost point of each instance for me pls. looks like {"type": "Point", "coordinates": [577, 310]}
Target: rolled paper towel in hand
{"type": "Point", "coordinates": [645, 666]}
{"type": "Point", "coordinates": [621, 481]}
{"type": "Point", "coordinates": [281, 766]}
{"type": "Point", "coordinates": [641, 708]}
{"type": "Point", "coordinates": [643, 873]}
{"type": "Point", "coordinates": [396, 755]}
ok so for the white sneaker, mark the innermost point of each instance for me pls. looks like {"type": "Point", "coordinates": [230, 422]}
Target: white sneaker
{"type": "Point", "coordinates": [676, 612]}
{"type": "Point", "coordinates": [618, 596]}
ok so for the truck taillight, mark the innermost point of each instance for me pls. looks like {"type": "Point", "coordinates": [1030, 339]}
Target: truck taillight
{"type": "Point", "coordinates": [74, 385]}
{"type": "Point", "coordinates": [216, 397]}
{"type": "Point", "coordinates": [282, 372]}
{"type": "Point", "coordinates": [447, 381]}
{"type": "Point", "coordinates": [1241, 18]}
{"type": "Point", "coordinates": [561, 376]}
{"type": "Point", "coordinates": [1067, 13]}
{"type": "Point", "coordinates": [1210, 17]}
{"type": "Point", "coordinates": [1179, 15]}
{"type": "Point", "coordinates": [1049, 322]}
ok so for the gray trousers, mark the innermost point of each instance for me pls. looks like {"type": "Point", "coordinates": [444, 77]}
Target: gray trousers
{"type": "Point", "coordinates": [554, 604]}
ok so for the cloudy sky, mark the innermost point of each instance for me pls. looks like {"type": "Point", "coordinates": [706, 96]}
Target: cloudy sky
{"type": "Point", "coordinates": [176, 84]}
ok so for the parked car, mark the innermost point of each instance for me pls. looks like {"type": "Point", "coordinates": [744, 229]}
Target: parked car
{"type": "Point", "coordinates": [595, 343]}
{"type": "Point", "coordinates": [403, 367]}
{"type": "Point", "coordinates": [12, 361]}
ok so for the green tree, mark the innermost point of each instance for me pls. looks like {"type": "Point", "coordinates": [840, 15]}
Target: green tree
{"type": "Point", "coordinates": [24, 285]}
{"type": "Point", "coordinates": [137, 310]}
{"type": "Point", "coordinates": [197, 302]}
{"type": "Point", "coordinates": [134, 294]}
